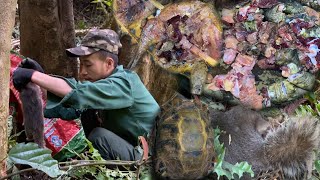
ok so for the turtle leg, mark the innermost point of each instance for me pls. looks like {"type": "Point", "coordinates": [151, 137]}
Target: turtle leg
{"type": "Point", "coordinates": [198, 77]}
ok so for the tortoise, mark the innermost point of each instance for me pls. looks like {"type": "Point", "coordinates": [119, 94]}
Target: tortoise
{"type": "Point", "coordinates": [184, 140]}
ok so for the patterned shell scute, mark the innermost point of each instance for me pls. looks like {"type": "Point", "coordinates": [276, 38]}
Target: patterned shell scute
{"type": "Point", "coordinates": [184, 144]}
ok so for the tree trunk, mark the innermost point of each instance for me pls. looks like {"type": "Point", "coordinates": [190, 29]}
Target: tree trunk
{"type": "Point", "coordinates": [7, 16]}
{"type": "Point", "coordinates": [47, 29]}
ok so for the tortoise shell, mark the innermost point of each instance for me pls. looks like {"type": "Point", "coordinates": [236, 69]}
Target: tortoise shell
{"type": "Point", "coordinates": [184, 141]}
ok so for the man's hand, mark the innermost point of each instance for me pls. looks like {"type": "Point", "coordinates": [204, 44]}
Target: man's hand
{"type": "Point", "coordinates": [31, 64]}
{"type": "Point", "coordinates": [21, 77]}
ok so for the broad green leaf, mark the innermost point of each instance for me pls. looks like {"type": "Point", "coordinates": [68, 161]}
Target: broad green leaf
{"type": "Point", "coordinates": [38, 158]}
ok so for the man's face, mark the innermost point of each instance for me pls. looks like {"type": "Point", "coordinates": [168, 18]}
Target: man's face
{"type": "Point", "coordinates": [92, 68]}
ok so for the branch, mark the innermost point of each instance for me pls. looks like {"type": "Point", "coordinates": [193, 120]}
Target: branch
{"type": "Point", "coordinates": [77, 163]}
{"type": "Point", "coordinates": [15, 173]}
{"type": "Point", "coordinates": [91, 164]}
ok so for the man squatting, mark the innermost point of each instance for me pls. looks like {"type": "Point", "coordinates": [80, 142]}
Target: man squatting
{"type": "Point", "coordinates": [112, 102]}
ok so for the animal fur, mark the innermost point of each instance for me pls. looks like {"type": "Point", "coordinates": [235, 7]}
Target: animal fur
{"type": "Point", "coordinates": [32, 109]}
{"type": "Point", "coordinates": [288, 147]}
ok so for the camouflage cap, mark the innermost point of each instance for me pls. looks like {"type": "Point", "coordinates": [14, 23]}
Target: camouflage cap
{"type": "Point", "coordinates": [95, 40]}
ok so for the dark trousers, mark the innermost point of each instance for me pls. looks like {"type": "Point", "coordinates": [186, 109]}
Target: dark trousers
{"type": "Point", "coordinates": [111, 146]}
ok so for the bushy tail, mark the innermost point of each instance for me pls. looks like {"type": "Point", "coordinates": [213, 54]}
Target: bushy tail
{"type": "Point", "coordinates": [290, 147]}
{"type": "Point", "coordinates": [33, 113]}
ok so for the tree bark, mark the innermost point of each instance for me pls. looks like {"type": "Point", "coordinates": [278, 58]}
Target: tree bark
{"type": "Point", "coordinates": [47, 29]}
{"type": "Point", "coordinates": [7, 16]}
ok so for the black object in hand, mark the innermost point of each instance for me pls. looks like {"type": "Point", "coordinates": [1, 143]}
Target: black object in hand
{"type": "Point", "coordinates": [21, 77]}
{"type": "Point", "coordinates": [31, 64]}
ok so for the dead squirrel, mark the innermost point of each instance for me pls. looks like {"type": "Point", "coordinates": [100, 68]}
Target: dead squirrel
{"type": "Point", "coordinates": [288, 148]}
{"type": "Point", "coordinates": [32, 107]}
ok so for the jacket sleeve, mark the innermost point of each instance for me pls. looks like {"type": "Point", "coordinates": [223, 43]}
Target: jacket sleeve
{"type": "Point", "coordinates": [109, 93]}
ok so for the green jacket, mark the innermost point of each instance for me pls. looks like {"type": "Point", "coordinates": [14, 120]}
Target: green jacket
{"type": "Point", "coordinates": [128, 109]}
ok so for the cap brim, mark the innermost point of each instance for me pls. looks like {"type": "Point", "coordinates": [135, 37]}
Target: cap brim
{"type": "Point", "coordinates": [80, 51]}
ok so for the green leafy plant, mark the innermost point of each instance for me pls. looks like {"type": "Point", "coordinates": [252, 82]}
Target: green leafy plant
{"type": "Point", "coordinates": [313, 110]}
{"type": "Point", "coordinates": [106, 7]}
{"type": "Point", "coordinates": [38, 158]}
{"type": "Point", "coordinates": [81, 24]}
{"type": "Point", "coordinates": [95, 155]}
{"type": "Point", "coordinates": [89, 165]}
{"type": "Point", "coordinates": [92, 166]}
{"type": "Point", "coordinates": [223, 168]}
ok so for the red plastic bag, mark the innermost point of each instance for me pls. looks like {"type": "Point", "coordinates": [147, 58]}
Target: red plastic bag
{"type": "Point", "coordinates": [64, 138]}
